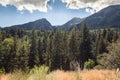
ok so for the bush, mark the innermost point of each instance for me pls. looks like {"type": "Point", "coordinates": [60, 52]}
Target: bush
{"type": "Point", "coordinates": [89, 64]}
{"type": "Point", "coordinates": [2, 70]}
{"type": "Point", "coordinates": [19, 75]}
{"type": "Point", "coordinates": [39, 70]}
{"type": "Point", "coordinates": [38, 73]}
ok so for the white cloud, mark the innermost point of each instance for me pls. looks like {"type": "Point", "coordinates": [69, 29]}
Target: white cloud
{"type": "Point", "coordinates": [40, 5]}
{"type": "Point", "coordinates": [96, 5]}
{"type": "Point", "coordinates": [89, 10]}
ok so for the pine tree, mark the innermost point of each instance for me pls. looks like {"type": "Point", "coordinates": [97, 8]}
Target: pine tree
{"type": "Point", "coordinates": [109, 35]}
{"type": "Point", "coordinates": [8, 52]}
{"type": "Point", "coordinates": [85, 46]}
{"type": "Point", "coordinates": [101, 47]}
{"type": "Point", "coordinates": [65, 55]}
{"type": "Point", "coordinates": [40, 52]}
{"type": "Point", "coordinates": [73, 42]}
{"type": "Point", "coordinates": [73, 47]}
{"type": "Point", "coordinates": [33, 56]}
{"type": "Point", "coordinates": [57, 52]}
{"type": "Point", "coordinates": [23, 59]}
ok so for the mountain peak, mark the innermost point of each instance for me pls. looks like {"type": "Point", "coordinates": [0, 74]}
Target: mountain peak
{"type": "Point", "coordinates": [38, 24]}
{"type": "Point", "coordinates": [42, 20]}
{"type": "Point", "coordinates": [68, 24]}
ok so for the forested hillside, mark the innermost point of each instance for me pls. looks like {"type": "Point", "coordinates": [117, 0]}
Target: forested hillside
{"type": "Point", "coordinates": [66, 50]}
{"type": "Point", "coordinates": [43, 24]}
{"type": "Point", "coordinates": [105, 18]}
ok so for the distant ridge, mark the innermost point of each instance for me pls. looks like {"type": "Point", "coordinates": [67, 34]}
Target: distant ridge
{"type": "Point", "coordinates": [38, 24]}
{"type": "Point", "coordinates": [70, 23]}
{"type": "Point", "coordinates": [108, 17]}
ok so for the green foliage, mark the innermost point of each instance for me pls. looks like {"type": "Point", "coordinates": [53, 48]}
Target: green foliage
{"type": "Point", "coordinates": [111, 59]}
{"type": "Point", "coordinates": [8, 41]}
{"type": "Point", "coordinates": [65, 50]}
{"type": "Point", "coordinates": [38, 73]}
{"type": "Point", "coordinates": [118, 63]}
{"type": "Point", "coordinates": [2, 70]}
{"type": "Point", "coordinates": [85, 46]}
{"type": "Point", "coordinates": [19, 75]}
{"type": "Point", "coordinates": [89, 64]}
{"type": "Point", "coordinates": [33, 56]}
{"type": "Point", "coordinates": [39, 70]}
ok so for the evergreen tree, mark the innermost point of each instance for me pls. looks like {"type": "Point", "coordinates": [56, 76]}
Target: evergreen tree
{"type": "Point", "coordinates": [109, 35]}
{"type": "Point", "coordinates": [57, 52]}
{"type": "Point", "coordinates": [8, 52]}
{"type": "Point", "coordinates": [40, 52]}
{"type": "Point", "coordinates": [65, 55]}
{"type": "Point", "coordinates": [85, 46]}
{"type": "Point", "coordinates": [73, 47]}
{"type": "Point", "coordinates": [48, 55]}
{"type": "Point", "coordinates": [33, 56]}
{"type": "Point", "coordinates": [23, 59]}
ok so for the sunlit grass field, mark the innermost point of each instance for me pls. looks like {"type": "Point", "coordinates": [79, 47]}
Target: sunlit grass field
{"type": "Point", "coordinates": [42, 73]}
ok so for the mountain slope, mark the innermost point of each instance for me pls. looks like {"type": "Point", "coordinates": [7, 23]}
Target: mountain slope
{"type": "Point", "coordinates": [38, 24]}
{"type": "Point", "coordinates": [69, 24]}
{"type": "Point", "coordinates": [107, 17]}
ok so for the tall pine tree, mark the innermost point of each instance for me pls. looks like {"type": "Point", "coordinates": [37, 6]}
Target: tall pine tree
{"type": "Point", "coordinates": [85, 46]}
{"type": "Point", "coordinates": [33, 56]}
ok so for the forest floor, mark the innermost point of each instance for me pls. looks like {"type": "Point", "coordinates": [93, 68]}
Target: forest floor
{"type": "Point", "coordinates": [62, 75]}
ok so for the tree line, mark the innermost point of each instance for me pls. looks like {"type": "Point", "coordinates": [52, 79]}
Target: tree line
{"type": "Point", "coordinates": [66, 50]}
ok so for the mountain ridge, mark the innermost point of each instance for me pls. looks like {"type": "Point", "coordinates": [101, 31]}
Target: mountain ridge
{"type": "Point", "coordinates": [70, 23]}
{"type": "Point", "coordinates": [107, 17]}
{"type": "Point", "coordinates": [37, 24]}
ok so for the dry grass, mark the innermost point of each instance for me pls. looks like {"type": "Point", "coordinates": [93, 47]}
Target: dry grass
{"type": "Point", "coordinates": [5, 77]}
{"type": "Point", "coordinates": [62, 75]}
{"type": "Point", "coordinates": [99, 75]}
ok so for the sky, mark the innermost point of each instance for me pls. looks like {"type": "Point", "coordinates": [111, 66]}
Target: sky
{"type": "Point", "coordinates": [57, 12]}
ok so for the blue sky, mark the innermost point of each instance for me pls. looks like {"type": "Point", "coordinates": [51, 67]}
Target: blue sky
{"type": "Point", "coordinates": [57, 12]}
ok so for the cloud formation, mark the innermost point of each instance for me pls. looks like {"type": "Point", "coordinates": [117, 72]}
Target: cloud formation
{"type": "Point", "coordinates": [30, 5]}
{"type": "Point", "coordinates": [90, 5]}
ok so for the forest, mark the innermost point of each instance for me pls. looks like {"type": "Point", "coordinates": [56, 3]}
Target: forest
{"type": "Point", "coordinates": [59, 49]}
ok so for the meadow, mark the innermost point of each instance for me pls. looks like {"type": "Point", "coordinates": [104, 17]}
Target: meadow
{"type": "Point", "coordinates": [42, 73]}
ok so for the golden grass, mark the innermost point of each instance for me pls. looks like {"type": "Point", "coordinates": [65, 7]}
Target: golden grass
{"type": "Point", "coordinates": [99, 75]}
{"type": "Point", "coordinates": [68, 75]}
{"type": "Point", "coordinates": [4, 77]}
{"type": "Point", "coordinates": [61, 75]}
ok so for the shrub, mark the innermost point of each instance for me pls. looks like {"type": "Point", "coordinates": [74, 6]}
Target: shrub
{"type": "Point", "coordinates": [19, 75]}
{"type": "Point", "coordinates": [2, 70]}
{"type": "Point", "coordinates": [39, 70]}
{"type": "Point", "coordinates": [38, 73]}
{"type": "Point", "coordinates": [89, 64]}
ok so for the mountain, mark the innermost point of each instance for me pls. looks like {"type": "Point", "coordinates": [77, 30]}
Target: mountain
{"type": "Point", "coordinates": [70, 23]}
{"type": "Point", "coordinates": [107, 17]}
{"type": "Point", "coordinates": [38, 24]}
